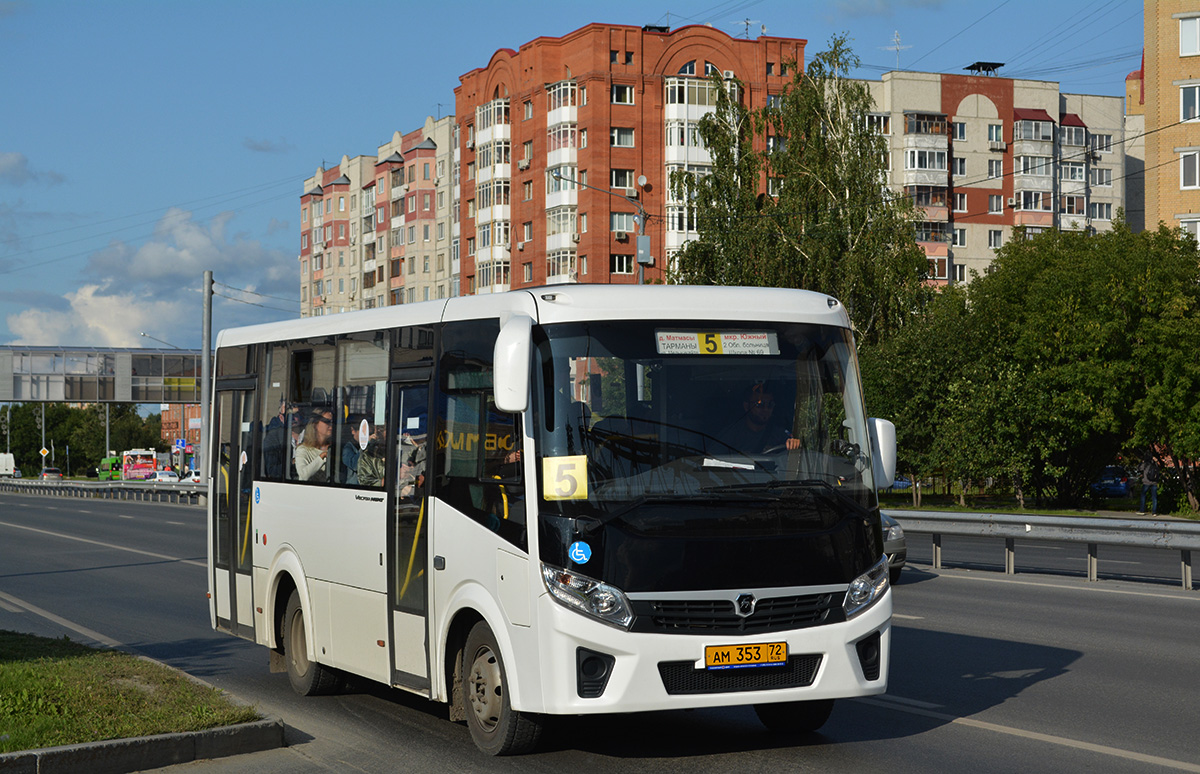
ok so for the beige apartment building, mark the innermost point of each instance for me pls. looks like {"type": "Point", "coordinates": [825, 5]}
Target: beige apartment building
{"type": "Point", "coordinates": [382, 230]}
{"type": "Point", "coordinates": [982, 154]}
{"type": "Point", "coordinates": [1164, 97]}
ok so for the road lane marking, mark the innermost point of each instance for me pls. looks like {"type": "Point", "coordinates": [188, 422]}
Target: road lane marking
{"type": "Point", "coordinates": [909, 617]}
{"type": "Point", "coordinates": [176, 523]}
{"type": "Point", "coordinates": [101, 543]}
{"type": "Point", "coordinates": [10, 608]}
{"type": "Point", "coordinates": [910, 702]}
{"type": "Point", "coordinates": [123, 516]}
{"type": "Point", "coordinates": [1061, 741]}
{"type": "Point", "coordinates": [78, 629]}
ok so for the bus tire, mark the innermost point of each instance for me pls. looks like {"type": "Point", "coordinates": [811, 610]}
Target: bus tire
{"type": "Point", "coordinates": [793, 717]}
{"type": "Point", "coordinates": [496, 727]}
{"type": "Point", "coordinates": [308, 678]}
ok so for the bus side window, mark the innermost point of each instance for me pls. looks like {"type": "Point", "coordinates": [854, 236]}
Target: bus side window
{"type": "Point", "coordinates": [478, 448]}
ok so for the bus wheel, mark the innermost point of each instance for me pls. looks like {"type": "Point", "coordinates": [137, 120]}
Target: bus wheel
{"type": "Point", "coordinates": [794, 716]}
{"type": "Point", "coordinates": [308, 678]}
{"type": "Point", "coordinates": [496, 727]}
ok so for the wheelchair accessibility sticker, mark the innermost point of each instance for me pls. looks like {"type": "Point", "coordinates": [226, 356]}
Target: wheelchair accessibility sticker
{"type": "Point", "coordinates": [579, 552]}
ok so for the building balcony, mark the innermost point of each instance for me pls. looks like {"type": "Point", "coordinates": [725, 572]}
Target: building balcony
{"type": "Point", "coordinates": [563, 115]}
{"type": "Point", "coordinates": [1033, 218]}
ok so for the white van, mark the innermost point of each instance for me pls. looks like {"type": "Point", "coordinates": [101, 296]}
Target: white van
{"type": "Point", "coordinates": [7, 465]}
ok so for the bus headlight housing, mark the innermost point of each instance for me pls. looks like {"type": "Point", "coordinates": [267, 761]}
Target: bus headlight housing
{"type": "Point", "coordinates": [588, 596]}
{"type": "Point", "coordinates": [866, 589]}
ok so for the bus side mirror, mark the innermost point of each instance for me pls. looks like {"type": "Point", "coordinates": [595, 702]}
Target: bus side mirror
{"type": "Point", "coordinates": [512, 365]}
{"type": "Point", "coordinates": [883, 451]}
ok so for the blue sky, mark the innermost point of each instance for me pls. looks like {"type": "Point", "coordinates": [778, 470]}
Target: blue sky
{"type": "Point", "coordinates": [142, 143]}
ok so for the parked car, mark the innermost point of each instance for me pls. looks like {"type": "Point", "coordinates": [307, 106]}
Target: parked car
{"type": "Point", "coordinates": [1113, 481]}
{"type": "Point", "coordinates": [166, 475]}
{"type": "Point", "coordinates": [894, 545]}
{"type": "Point", "coordinates": [51, 474]}
{"type": "Point", "coordinates": [193, 477]}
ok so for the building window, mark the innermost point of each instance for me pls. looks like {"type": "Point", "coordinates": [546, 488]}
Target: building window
{"type": "Point", "coordinates": [960, 273]}
{"type": "Point", "coordinates": [622, 94]}
{"type": "Point", "coordinates": [1074, 205]}
{"type": "Point", "coordinates": [622, 178]}
{"type": "Point", "coordinates": [960, 130]}
{"type": "Point", "coordinates": [916, 158]}
{"type": "Point", "coordinates": [958, 237]}
{"type": "Point", "coordinates": [622, 222]}
{"type": "Point", "coordinates": [1072, 135]}
{"type": "Point", "coordinates": [1036, 200]}
{"type": "Point", "coordinates": [1102, 143]}
{"type": "Point", "coordinates": [612, 56]}
{"type": "Point", "coordinates": [1034, 165]}
{"type": "Point", "coordinates": [527, 190]}
{"type": "Point", "coordinates": [1189, 173]}
{"type": "Point", "coordinates": [1033, 130]}
{"type": "Point", "coordinates": [995, 132]}
{"type": "Point", "coordinates": [1102, 176]}
{"type": "Point", "coordinates": [880, 123]}
{"type": "Point", "coordinates": [775, 101]}
{"type": "Point", "coordinates": [527, 150]}
{"type": "Point", "coordinates": [995, 168]}
{"type": "Point", "coordinates": [770, 68]}
{"type": "Point", "coordinates": [620, 264]}
{"type": "Point", "coordinates": [621, 137]}
{"type": "Point", "coordinates": [995, 238]}
{"type": "Point", "coordinates": [528, 107]}
{"type": "Point", "coordinates": [960, 166]}
{"type": "Point", "coordinates": [1101, 210]}
{"type": "Point", "coordinates": [1072, 170]}
{"type": "Point", "coordinates": [925, 123]}
{"type": "Point", "coordinates": [1189, 98]}
{"type": "Point", "coordinates": [1192, 227]}
{"type": "Point", "coordinates": [528, 272]}
{"type": "Point", "coordinates": [1189, 36]}
{"type": "Point", "coordinates": [995, 204]}
{"type": "Point", "coordinates": [960, 202]}
{"type": "Point", "coordinates": [527, 231]}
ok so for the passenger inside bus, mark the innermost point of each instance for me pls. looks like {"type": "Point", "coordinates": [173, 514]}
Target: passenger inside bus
{"type": "Point", "coordinates": [373, 460]}
{"type": "Point", "coordinates": [412, 456]}
{"type": "Point", "coordinates": [312, 455]}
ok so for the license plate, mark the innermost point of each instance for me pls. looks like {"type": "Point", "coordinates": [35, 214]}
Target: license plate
{"type": "Point", "coordinates": [759, 654]}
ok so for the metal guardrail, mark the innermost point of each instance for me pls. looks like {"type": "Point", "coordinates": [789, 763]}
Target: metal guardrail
{"type": "Point", "coordinates": [149, 491]}
{"type": "Point", "coordinates": [1181, 536]}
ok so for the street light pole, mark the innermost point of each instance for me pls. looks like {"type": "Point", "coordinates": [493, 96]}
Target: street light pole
{"type": "Point", "coordinates": [643, 241]}
{"type": "Point", "coordinates": [160, 341]}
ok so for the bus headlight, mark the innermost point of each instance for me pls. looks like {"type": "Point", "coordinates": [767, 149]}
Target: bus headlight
{"type": "Point", "coordinates": [588, 596]}
{"type": "Point", "coordinates": [866, 589]}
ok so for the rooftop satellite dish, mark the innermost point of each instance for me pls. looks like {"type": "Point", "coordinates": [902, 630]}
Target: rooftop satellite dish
{"type": "Point", "coordinates": [641, 180]}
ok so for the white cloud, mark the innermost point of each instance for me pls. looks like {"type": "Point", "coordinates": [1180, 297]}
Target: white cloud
{"type": "Point", "coordinates": [15, 170]}
{"type": "Point", "coordinates": [155, 287]}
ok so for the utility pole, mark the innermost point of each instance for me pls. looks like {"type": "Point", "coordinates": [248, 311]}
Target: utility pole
{"type": "Point", "coordinates": [205, 373]}
{"type": "Point", "coordinates": [644, 258]}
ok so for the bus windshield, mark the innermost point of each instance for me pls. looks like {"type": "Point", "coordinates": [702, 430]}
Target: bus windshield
{"type": "Point", "coordinates": [631, 411]}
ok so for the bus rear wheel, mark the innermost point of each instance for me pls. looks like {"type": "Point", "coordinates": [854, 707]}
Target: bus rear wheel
{"type": "Point", "coordinates": [308, 678]}
{"type": "Point", "coordinates": [496, 727]}
{"type": "Point", "coordinates": [793, 717]}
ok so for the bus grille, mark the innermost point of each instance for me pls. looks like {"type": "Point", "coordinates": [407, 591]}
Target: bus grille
{"type": "Point", "coordinates": [682, 676]}
{"type": "Point", "coordinates": [703, 616]}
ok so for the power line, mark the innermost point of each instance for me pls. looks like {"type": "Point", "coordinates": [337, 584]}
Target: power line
{"type": "Point", "coordinates": [251, 303]}
{"type": "Point", "coordinates": [253, 292]}
{"type": "Point", "coordinates": [955, 35]}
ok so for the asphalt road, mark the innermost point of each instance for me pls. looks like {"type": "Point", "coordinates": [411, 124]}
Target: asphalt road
{"type": "Point", "coordinates": [990, 673]}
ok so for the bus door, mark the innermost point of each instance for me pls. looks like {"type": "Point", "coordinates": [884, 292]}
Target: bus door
{"type": "Point", "coordinates": [233, 482]}
{"type": "Point", "coordinates": [408, 529]}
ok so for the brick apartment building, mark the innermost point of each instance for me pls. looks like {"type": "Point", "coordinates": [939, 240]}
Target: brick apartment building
{"type": "Point", "coordinates": [558, 149]}
{"type": "Point", "coordinates": [981, 154]}
{"type": "Point", "coordinates": [381, 230]}
{"type": "Point", "coordinates": [566, 140]}
{"type": "Point", "coordinates": [1163, 97]}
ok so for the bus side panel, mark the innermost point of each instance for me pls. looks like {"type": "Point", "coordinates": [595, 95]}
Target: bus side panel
{"type": "Point", "coordinates": [339, 538]}
{"type": "Point", "coordinates": [473, 561]}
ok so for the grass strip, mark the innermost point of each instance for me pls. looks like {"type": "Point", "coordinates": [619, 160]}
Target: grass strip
{"type": "Point", "coordinates": [56, 692]}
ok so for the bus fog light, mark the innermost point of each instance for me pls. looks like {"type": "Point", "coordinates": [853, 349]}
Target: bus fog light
{"type": "Point", "coordinates": [866, 589]}
{"type": "Point", "coordinates": [588, 596]}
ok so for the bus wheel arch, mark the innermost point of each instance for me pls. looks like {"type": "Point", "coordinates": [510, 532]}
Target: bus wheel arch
{"type": "Point", "coordinates": [496, 728]}
{"type": "Point", "coordinates": [307, 676]}
{"type": "Point", "coordinates": [456, 638]}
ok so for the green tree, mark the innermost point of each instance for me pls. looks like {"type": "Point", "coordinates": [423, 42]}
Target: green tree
{"type": "Point", "coordinates": [828, 223]}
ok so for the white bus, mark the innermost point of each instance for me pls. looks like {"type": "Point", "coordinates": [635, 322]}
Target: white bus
{"type": "Point", "coordinates": [558, 501]}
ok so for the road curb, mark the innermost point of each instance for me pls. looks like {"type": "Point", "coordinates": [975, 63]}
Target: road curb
{"type": "Point", "coordinates": [119, 756]}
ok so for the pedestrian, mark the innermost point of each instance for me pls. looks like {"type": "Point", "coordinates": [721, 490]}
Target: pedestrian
{"type": "Point", "coordinates": [1149, 470]}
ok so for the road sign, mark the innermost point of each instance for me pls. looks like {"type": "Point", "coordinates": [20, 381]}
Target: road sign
{"type": "Point", "coordinates": [180, 443]}
{"type": "Point", "coordinates": [45, 451]}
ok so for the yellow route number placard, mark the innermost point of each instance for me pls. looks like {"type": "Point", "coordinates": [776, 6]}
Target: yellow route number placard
{"type": "Point", "coordinates": [564, 478]}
